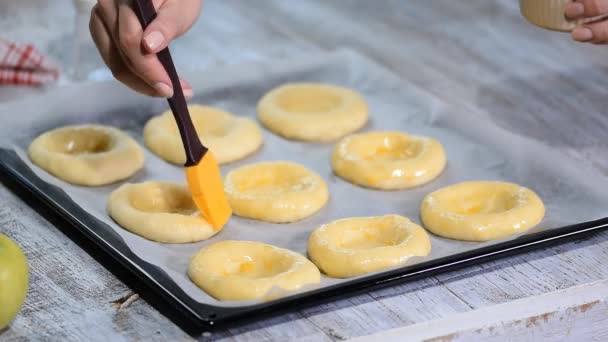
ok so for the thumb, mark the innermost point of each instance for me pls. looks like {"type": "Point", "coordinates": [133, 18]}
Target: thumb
{"type": "Point", "coordinates": [174, 17]}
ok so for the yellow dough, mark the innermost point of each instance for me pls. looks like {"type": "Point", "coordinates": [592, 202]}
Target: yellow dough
{"type": "Point", "coordinates": [388, 160]}
{"type": "Point", "coordinates": [159, 211]}
{"type": "Point", "coordinates": [229, 137]}
{"type": "Point", "coordinates": [244, 270]}
{"type": "Point", "coordinates": [88, 155]}
{"type": "Point", "coordinates": [355, 246]}
{"type": "Point", "coordinates": [275, 191]}
{"type": "Point", "coordinates": [481, 211]}
{"type": "Point", "coordinates": [312, 111]}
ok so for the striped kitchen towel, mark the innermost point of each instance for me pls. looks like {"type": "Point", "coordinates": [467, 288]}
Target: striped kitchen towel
{"type": "Point", "coordinates": [21, 64]}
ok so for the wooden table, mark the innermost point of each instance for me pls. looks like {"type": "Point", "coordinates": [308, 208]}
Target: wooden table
{"type": "Point", "coordinates": [479, 54]}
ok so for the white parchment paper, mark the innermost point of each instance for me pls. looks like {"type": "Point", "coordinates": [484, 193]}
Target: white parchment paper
{"type": "Point", "coordinates": [476, 149]}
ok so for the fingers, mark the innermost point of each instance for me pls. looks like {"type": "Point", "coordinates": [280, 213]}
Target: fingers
{"type": "Point", "coordinates": [118, 36]}
{"type": "Point", "coordinates": [174, 17]}
{"type": "Point", "coordinates": [575, 10]}
{"type": "Point", "coordinates": [146, 66]}
{"type": "Point", "coordinates": [596, 33]}
{"type": "Point", "coordinates": [595, 28]}
{"type": "Point", "coordinates": [112, 57]}
{"type": "Point", "coordinates": [586, 8]}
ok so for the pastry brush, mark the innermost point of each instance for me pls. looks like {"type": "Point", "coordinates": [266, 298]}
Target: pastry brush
{"type": "Point", "coordinates": [202, 170]}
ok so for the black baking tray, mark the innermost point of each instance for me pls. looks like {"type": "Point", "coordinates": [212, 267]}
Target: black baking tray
{"type": "Point", "coordinates": [205, 316]}
{"type": "Point", "coordinates": [240, 87]}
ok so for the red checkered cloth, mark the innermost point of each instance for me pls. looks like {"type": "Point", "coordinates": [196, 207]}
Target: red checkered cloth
{"type": "Point", "coordinates": [21, 64]}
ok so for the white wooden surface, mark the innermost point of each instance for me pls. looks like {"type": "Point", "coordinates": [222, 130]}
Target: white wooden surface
{"type": "Point", "coordinates": [579, 313]}
{"type": "Point", "coordinates": [479, 54]}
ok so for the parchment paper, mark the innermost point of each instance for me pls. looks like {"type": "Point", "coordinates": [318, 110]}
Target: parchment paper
{"type": "Point", "coordinates": [476, 149]}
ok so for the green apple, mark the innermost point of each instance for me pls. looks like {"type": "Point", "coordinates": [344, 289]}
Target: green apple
{"type": "Point", "coordinates": [13, 280]}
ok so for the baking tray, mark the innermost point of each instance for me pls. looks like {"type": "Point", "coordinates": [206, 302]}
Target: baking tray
{"type": "Point", "coordinates": [575, 197]}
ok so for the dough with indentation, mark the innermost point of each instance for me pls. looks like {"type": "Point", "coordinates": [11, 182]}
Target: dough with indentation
{"type": "Point", "coordinates": [230, 137]}
{"type": "Point", "coordinates": [275, 191]}
{"type": "Point", "coordinates": [312, 111]}
{"type": "Point", "coordinates": [90, 155]}
{"type": "Point", "coordinates": [388, 160]}
{"type": "Point", "coordinates": [245, 270]}
{"type": "Point", "coordinates": [355, 246]}
{"type": "Point", "coordinates": [159, 211]}
{"type": "Point", "coordinates": [481, 211]}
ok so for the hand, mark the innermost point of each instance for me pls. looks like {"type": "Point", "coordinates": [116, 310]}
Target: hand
{"type": "Point", "coordinates": [595, 32]}
{"type": "Point", "coordinates": [130, 52]}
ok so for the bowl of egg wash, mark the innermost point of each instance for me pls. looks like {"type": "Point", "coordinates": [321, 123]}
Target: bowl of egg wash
{"type": "Point", "coordinates": [548, 14]}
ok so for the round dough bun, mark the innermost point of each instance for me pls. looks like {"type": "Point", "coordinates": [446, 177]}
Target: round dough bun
{"type": "Point", "coordinates": [481, 211]}
{"type": "Point", "coordinates": [229, 137]}
{"type": "Point", "coordinates": [90, 155]}
{"type": "Point", "coordinates": [159, 211]}
{"type": "Point", "coordinates": [312, 111]}
{"type": "Point", "coordinates": [277, 192]}
{"type": "Point", "coordinates": [388, 160]}
{"type": "Point", "coordinates": [360, 245]}
{"type": "Point", "coordinates": [244, 270]}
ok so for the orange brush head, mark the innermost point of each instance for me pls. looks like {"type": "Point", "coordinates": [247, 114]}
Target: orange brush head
{"type": "Point", "coordinates": [205, 183]}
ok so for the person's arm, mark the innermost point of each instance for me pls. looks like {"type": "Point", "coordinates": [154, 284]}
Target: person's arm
{"type": "Point", "coordinates": [129, 51]}
{"type": "Point", "coordinates": [596, 32]}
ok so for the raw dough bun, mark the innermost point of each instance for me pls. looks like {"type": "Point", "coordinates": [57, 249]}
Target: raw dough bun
{"type": "Point", "coordinates": [89, 155]}
{"type": "Point", "coordinates": [360, 245]}
{"type": "Point", "coordinates": [312, 111]}
{"type": "Point", "coordinates": [481, 211]}
{"type": "Point", "coordinates": [159, 211]}
{"type": "Point", "coordinates": [275, 191]}
{"type": "Point", "coordinates": [388, 160]}
{"type": "Point", "coordinates": [229, 137]}
{"type": "Point", "coordinates": [245, 270]}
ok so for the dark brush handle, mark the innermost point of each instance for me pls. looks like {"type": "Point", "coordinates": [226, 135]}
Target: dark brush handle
{"type": "Point", "coordinates": [194, 149]}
